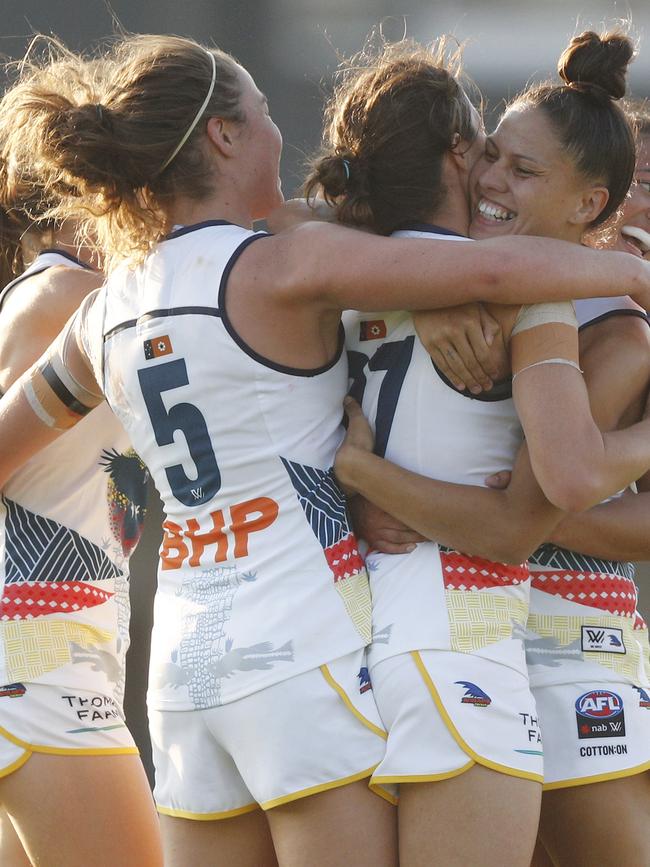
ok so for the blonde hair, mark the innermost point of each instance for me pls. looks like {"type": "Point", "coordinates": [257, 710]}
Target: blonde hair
{"type": "Point", "coordinates": [25, 202]}
{"type": "Point", "coordinates": [105, 157]}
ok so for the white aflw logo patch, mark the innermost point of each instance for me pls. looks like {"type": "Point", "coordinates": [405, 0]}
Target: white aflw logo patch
{"type": "Point", "coordinates": [604, 639]}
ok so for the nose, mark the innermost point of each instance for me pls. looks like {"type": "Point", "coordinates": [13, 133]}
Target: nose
{"type": "Point", "coordinates": [492, 177]}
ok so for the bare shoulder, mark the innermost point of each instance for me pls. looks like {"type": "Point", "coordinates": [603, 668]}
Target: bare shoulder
{"type": "Point", "coordinates": [35, 312]}
{"type": "Point", "coordinates": [51, 295]}
{"type": "Point", "coordinates": [625, 334]}
{"type": "Point", "coordinates": [285, 266]}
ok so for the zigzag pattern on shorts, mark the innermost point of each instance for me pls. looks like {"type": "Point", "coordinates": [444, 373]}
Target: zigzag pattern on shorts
{"type": "Point", "coordinates": [462, 572]}
{"type": "Point", "coordinates": [40, 549]}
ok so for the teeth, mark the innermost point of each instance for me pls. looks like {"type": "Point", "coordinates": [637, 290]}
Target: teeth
{"type": "Point", "coordinates": [639, 235]}
{"type": "Point", "coordinates": [495, 212]}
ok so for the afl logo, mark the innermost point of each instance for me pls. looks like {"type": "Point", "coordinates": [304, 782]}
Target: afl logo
{"type": "Point", "coordinates": [599, 704]}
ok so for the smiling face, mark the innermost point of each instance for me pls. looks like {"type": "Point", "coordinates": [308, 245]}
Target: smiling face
{"type": "Point", "coordinates": [526, 184]}
{"type": "Point", "coordinates": [634, 231]}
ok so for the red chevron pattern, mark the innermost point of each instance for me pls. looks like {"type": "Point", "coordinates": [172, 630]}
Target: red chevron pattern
{"type": "Point", "coordinates": [612, 593]}
{"type": "Point", "coordinates": [343, 558]}
{"type": "Point", "coordinates": [462, 572]}
{"type": "Point", "coordinates": [26, 600]}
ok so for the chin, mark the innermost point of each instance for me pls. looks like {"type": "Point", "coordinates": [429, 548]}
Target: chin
{"type": "Point", "coordinates": [480, 232]}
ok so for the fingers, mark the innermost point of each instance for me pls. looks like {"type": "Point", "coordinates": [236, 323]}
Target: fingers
{"type": "Point", "coordinates": [386, 547]}
{"type": "Point", "coordinates": [499, 480]}
{"type": "Point", "coordinates": [465, 371]}
{"type": "Point", "coordinates": [491, 326]}
{"type": "Point", "coordinates": [359, 433]}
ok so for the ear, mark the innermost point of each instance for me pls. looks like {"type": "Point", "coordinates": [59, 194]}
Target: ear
{"type": "Point", "coordinates": [457, 152]}
{"type": "Point", "coordinates": [221, 134]}
{"type": "Point", "coordinates": [590, 205]}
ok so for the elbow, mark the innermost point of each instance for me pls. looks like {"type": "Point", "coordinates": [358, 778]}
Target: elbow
{"type": "Point", "coordinates": [513, 552]}
{"type": "Point", "coordinates": [573, 491]}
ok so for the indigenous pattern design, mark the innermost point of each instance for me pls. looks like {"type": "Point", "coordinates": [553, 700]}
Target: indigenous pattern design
{"type": "Point", "coordinates": [206, 655]}
{"type": "Point", "coordinates": [486, 601]}
{"type": "Point", "coordinates": [598, 596]}
{"type": "Point", "coordinates": [38, 549]}
{"type": "Point", "coordinates": [324, 505]}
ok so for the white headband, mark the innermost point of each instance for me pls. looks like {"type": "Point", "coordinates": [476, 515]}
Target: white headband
{"type": "Point", "coordinates": [198, 115]}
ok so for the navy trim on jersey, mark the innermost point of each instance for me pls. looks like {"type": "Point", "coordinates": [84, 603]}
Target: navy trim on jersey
{"type": "Point", "coordinates": [430, 228]}
{"type": "Point", "coordinates": [501, 390]}
{"type": "Point", "coordinates": [185, 230]}
{"type": "Point", "coordinates": [624, 311]}
{"type": "Point", "coordinates": [160, 314]}
{"type": "Point", "coordinates": [65, 255]}
{"type": "Point", "coordinates": [280, 368]}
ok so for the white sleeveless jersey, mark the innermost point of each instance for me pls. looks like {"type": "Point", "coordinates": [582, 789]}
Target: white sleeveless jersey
{"type": "Point", "coordinates": [260, 578]}
{"type": "Point", "coordinates": [423, 423]}
{"type": "Point", "coordinates": [69, 519]}
{"type": "Point", "coordinates": [590, 311]}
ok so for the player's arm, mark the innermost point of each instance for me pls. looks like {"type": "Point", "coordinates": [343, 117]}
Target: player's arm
{"type": "Point", "coordinates": [501, 525]}
{"type": "Point", "coordinates": [53, 395]}
{"type": "Point", "coordinates": [34, 313]}
{"type": "Point", "coordinates": [337, 269]}
{"type": "Point", "coordinates": [615, 355]}
{"type": "Point", "coordinates": [576, 465]}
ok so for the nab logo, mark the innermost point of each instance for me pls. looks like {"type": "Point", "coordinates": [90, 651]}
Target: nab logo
{"type": "Point", "coordinates": [602, 639]}
{"type": "Point", "coordinates": [599, 714]}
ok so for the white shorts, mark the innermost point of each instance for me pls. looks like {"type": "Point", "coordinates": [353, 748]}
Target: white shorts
{"type": "Point", "coordinates": [39, 718]}
{"type": "Point", "coordinates": [304, 735]}
{"type": "Point", "coordinates": [446, 711]}
{"type": "Point", "coordinates": [593, 731]}
{"type": "Point", "coordinates": [589, 664]}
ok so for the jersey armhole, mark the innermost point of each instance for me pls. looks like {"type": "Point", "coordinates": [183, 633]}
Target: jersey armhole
{"type": "Point", "coordinates": [266, 362]}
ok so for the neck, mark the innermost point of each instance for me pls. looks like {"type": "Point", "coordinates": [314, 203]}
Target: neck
{"type": "Point", "coordinates": [453, 213]}
{"type": "Point", "coordinates": [226, 205]}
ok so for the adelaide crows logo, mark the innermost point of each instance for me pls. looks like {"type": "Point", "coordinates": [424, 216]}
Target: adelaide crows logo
{"type": "Point", "coordinates": [474, 694]}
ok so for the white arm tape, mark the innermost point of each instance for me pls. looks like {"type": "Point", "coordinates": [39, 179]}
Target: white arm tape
{"type": "Point", "coordinates": [532, 315]}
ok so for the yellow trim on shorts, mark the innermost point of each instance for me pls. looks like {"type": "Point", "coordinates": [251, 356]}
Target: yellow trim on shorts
{"type": "Point", "coordinates": [69, 751]}
{"type": "Point", "coordinates": [453, 731]}
{"type": "Point", "coordinates": [207, 817]}
{"type": "Point", "coordinates": [315, 790]}
{"type": "Point", "coordinates": [377, 789]}
{"type": "Point", "coordinates": [348, 703]}
{"type": "Point", "coordinates": [423, 778]}
{"type": "Point", "coordinates": [597, 778]}
{"type": "Point", "coordinates": [15, 765]}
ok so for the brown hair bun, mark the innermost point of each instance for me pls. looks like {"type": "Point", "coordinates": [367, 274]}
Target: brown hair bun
{"type": "Point", "coordinates": [594, 61]}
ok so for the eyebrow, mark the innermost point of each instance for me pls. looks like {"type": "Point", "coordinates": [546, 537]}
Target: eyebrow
{"type": "Point", "coordinates": [490, 140]}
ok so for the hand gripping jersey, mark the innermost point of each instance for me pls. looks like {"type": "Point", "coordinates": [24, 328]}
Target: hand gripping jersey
{"type": "Point", "coordinates": [69, 520]}
{"type": "Point", "coordinates": [584, 620]}
{"type": "Point", "coordinates": [434, 598]}
{"type": "Point", "coordinates": [260, 578]}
